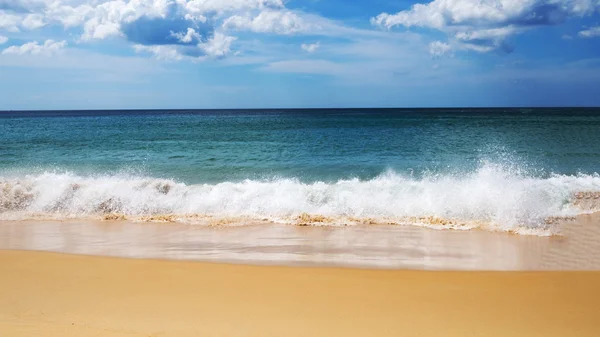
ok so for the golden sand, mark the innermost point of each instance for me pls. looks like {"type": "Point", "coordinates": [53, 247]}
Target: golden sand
{"type": "Point", "coordinates": [49, 294]}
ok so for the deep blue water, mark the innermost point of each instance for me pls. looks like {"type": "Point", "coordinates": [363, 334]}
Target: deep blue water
{"type": "Point", "coordinates": [311, 145]}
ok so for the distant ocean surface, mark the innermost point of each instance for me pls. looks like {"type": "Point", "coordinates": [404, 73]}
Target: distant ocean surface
{"type": "Point", "coordinates": [500, 169]}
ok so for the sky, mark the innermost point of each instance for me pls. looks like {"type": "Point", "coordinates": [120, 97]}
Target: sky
{"type": "Point", "coordinates": [207, 54]}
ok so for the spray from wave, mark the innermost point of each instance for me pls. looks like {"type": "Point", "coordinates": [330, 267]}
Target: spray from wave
{"type": "Point", "coordinates": [492, 197]}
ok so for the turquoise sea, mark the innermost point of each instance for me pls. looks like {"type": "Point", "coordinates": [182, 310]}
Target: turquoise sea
{"type": "Point", "coordinates": [503, 169]}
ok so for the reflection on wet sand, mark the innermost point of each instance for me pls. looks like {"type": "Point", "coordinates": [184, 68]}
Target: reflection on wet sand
{"type": "Point", "coordinates": [358, 246]}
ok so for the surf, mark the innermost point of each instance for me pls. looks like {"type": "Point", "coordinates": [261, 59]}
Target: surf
{"type": "Point", "coordinates": [493, 197]}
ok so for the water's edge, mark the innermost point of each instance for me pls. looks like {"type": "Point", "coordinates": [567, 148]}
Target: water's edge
{"type": "Point", "coordinates": [364, 246]}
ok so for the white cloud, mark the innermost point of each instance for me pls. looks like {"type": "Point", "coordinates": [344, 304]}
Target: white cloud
{"type": "Point", "coordinates": [486, 34]}
{"type": "Point", "coordinates": [160, 52]}
{"type": "Point", "coordinates": [33, 21]}
{"type": "Point", "coordinates": [483, 25]}
{"type": "Point", "coordinates": [3, 39]}
{"type": "Point", "coordinates": [9, 22]}
{"type": "Point", "coordinates": [218, 46]}
{"type": "Point", "coordinates": [196, 18]}
{"type": "Point", "coordinates": [443, 13]}
{"type": "Point", "coordinates": [105, 20]}
{"type": "Point", "coordinates": [187, 29]}
{"type": "Point", "coordinates": [485, 40]}
{"type": "Point", "coordinates": [591, 32]}
{"type": "Point", "coordinates": [69, 16]}
{"type": "Point", "coordinates": [310, 48]}
{"type": "Point", "coordinates": [194, 21]}
{"type": "Point", "coordinates": [188, 37]}
{"type": "Point", "coordinates": [269, 21]}
{"type": "Point", "coordinates": [201, 7]}
{"type": "Point", "coordinates": [97, 29]}
{"type": "Point", "coordinates": [49, 47]}
{"type": "Point", "coordinates": [438, 48]}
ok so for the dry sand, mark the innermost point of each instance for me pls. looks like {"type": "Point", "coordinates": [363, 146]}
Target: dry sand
{"type": "Point", "coordinates": [50, 294]}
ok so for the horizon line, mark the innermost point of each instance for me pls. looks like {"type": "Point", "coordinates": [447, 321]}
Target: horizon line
{"type": "Point", "coordinates": [311, 108]}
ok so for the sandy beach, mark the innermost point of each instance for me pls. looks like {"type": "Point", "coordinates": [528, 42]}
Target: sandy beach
{"type": "Point", "coordinates": [49, 294]}
{"type": "Point", "coordinates": [61, 294]}
{"type": "Point", "coordinates": [125, 279]}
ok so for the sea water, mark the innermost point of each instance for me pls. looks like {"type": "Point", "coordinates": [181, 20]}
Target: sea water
{"type": "Point", "coordinates": [500, 169]}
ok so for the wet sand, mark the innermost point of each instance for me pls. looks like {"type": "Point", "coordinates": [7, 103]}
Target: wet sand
{"type": "Point", "coordinates": [58, 294]}
{"type": "Point", "coordinates": [383, 246]}
{"type": "Point", "coordinates": [578, 249]}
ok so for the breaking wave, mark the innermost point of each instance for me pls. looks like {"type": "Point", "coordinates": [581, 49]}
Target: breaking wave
{"type": "Point", "coordinates": [492, 198]}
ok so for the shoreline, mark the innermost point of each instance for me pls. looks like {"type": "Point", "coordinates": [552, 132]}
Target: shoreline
{"type": "Point", "coordinates": [368, 246]}
{"type": "Point", "coordinates": [361, 246]}
{"type": "Point", "coordinates": [57, 294]}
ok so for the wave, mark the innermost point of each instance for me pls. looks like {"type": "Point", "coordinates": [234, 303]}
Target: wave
{"type": "Point", "coordinates": [492, 197]}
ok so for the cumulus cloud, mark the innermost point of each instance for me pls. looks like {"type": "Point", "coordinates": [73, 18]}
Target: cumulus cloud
{"type": "Point", "coordinates": [201, 7]}
{"type": "Point", "coordinates": [49, 47]}
{"type": "Point", "coordinates": [106, 19]}
{"type": "Point", "coordinates": [9, 22]}
{"type": "Point", "coordinates": [174, 29]}
{"type": "Point", "coordinates": [3, 39]}
{"type": "Point", "coordinates": [444, 13]}
{"type": "Point", "coordinates": [269, 21]}
{"type": "Point", "coordinates": [33, 21]}
{"type": "Point", "coordinates": [112, 18]}
{"type": "Point", "coordinates": [170, 29]}
{"type": "Point", "coordinates": [438, 48]}
{"type": "Point", "coordinates": [70, 16]}
{"type": "Point", "coordinates": [188, 37]}
{"type": "Point", "coordinates": [591, 32]}
{"type": "Point", "coordinates": [218, 46]}
{"type": "Point", "coordinates": [484, 25]}
{"type": "Point", "coordinates": [310, 48]}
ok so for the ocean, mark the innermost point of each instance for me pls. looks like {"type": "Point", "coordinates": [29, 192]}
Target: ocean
{"type": "Point", "coordinates": [516, 170]}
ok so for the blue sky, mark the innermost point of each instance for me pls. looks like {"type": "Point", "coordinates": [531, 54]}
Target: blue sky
{"type": "Point", "coordinates": [111, 54]}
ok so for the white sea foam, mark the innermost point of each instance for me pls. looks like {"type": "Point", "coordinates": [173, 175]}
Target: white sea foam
{"type": "Point", "coordinates": [491, 197]}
